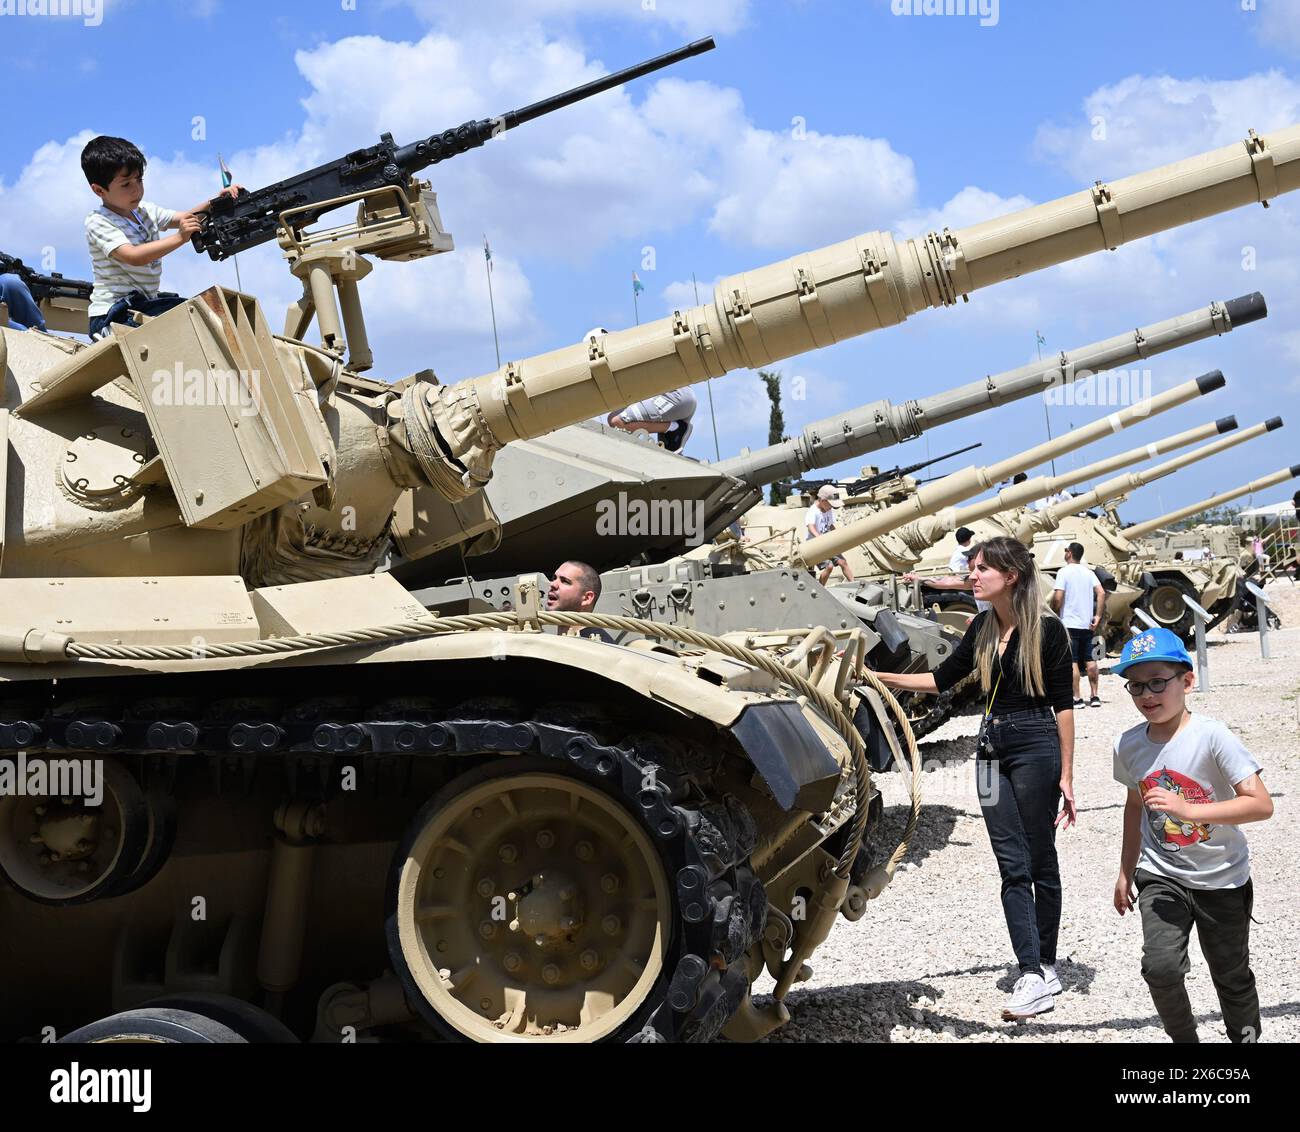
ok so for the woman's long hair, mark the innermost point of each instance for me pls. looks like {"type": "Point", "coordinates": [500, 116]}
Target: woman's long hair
{"type": "Point", "coordinates": [1007, 554]}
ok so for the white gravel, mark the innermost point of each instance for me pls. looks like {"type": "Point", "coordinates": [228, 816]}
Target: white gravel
{"type": "Point", "coordinates": [931, 960]}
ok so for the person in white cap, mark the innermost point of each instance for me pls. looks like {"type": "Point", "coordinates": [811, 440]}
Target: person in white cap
{"type": "Point", "coordinates": [820, 519]}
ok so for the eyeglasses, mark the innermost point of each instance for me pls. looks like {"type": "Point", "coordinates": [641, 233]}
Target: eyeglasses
{"type": "Point", "coordinates": [1158, 685]}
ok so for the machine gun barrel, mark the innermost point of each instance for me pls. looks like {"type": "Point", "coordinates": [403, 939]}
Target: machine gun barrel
{"type": "Point", "coordinates": [881, 423]}
{"type": "Point", "coordinates": [52, 286]}
{"type": "Point", "coordinates": [1142, 529]}
{"type": "Point", "coordinates": [866, 483]}
{"type": "Point", "coordinates": [233, 225]}
{"type": "Point", "coordinates": [934, 497]}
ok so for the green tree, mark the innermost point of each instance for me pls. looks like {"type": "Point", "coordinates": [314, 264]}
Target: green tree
{"type": "Point", "coordinates": [775, 421]}
{"type": "Point", "coordinates": [1216, 516]}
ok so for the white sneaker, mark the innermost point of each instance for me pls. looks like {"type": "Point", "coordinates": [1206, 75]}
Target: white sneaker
{"type": "Point", "coordinates": [1029, 997]}
{"type": "Point", "coordinates": [1050, 978]}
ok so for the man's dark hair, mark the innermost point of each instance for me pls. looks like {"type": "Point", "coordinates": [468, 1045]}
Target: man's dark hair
{"type": "Point", "coordinates": [104, 158]}
{"type": "Point", "coordinates": [1020, 477]}
{"type": "Point", "coordinates": [1076, 551]}
{"type": "Point", "coordinates": [964, 534]}
{"type": "Point", "coordinates": [585, 576]}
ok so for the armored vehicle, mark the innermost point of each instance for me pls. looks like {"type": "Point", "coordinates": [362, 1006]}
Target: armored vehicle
{"type": "Point", "coordinates": [254, 790]}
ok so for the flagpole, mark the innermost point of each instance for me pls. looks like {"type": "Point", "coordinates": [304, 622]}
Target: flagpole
{"type": "Point", "coordinates": [708, 384]}
{"type": "Point", "coordinates": [487, 263]}
{"type": "Point", "coordinates": [226, 182]}
{"type": "Point", "coordinates": [636, 310]}
{"type": "Point", "coordinates": [1039, 340]}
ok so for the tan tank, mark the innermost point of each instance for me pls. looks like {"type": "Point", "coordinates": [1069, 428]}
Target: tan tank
{"type": "Point", "coordinates": [252, 788]}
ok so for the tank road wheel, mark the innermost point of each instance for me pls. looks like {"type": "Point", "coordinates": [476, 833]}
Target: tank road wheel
{"type": "Point", "coordinates": [61, 850]}
{"type": "Point", "coordinates": [530, 904]}
{"type": "Point", "coordinates": [1165, 604]}
{"type": "Point", "coordinates": [156, 1025]}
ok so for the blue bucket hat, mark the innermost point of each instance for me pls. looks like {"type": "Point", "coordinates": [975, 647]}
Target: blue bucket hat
{"type": "Point", "coordinates": [1154, 644]}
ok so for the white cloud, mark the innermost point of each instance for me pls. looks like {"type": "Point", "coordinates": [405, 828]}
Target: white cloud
{"type": "Point", "coordinates": [1148, 120]}
{"type": "Point", "coordinates": [1279, 24]}
{"type": "Point", "coordinates": [970, 206]}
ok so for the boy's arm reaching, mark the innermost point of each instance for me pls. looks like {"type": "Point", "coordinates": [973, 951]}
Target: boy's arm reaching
{"type": "Point", "coordinates": [137, 255]}
{"type": "Point", "coordinates": [1125, 890]}
{"type": "Point", "coordinates": [203, 206]}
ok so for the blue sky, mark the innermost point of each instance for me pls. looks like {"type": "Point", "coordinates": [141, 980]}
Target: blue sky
{"type": "Point", "coordinates": [911, 122]}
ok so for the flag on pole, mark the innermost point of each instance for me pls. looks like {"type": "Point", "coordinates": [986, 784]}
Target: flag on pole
{"type": "Point", "coordinates": [487, 253]}
{"type": "Point", "coordinates": [637, 285]}
{"type": "Point", "coordinates": [1040, 339]}
{"type": "Point", "coordinates": [226, 178]}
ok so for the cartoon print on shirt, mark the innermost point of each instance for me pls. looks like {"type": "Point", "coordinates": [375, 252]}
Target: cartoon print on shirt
{"type": "Point", "coordinates": [1172, 834]}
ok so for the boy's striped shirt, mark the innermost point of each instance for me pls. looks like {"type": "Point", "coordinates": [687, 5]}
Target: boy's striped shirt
{"type": "Point", "coordinates": [105, 232]}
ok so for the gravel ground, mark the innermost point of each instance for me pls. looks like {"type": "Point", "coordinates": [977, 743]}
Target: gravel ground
{"type": "Point", "coordinates": [931, 961]}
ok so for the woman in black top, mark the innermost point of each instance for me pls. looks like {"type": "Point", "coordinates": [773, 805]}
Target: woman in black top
{"type": "Point", "coordinates": [1025, 760]}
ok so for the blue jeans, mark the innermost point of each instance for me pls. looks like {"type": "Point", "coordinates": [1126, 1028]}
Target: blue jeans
{"type": "Point", "coordinates": [24, 314]}
{"type": "Point", "coordinates": [1019, 790]}
{"type": "Point", "coordinates": [135, 301]}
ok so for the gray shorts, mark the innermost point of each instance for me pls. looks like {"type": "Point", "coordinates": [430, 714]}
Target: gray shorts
{"type": "Point", "coordinates": [675, 405]}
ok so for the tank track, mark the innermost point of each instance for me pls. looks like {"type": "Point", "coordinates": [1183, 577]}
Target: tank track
{"type": "Point", "coordinates": [705, 842]}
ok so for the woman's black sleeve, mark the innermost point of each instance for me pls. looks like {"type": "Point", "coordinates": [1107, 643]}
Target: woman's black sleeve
{"type": "Point", "coordinates": [958, 666]}
{"type": "Point", "coordinates": [1057, 663]}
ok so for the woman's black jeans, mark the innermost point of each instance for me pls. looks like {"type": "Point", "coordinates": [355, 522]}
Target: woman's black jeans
{"type": "Point", "coordinates": [1019, 790]}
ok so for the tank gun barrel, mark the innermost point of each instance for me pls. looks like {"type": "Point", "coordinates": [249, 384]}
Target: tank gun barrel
{"type": "Point", "coordinates": [1113, 489]}
{"type": "Point", "coordinates": [1017, 495]}
{"type": "Point", "coordinates": [825, 296]}
{"type": "Point", "coordinates": [1142, 529]}
{"type": "Point", "coordinates": [939, 494]}
{"type": "Point", "coordinates": [881, 423]}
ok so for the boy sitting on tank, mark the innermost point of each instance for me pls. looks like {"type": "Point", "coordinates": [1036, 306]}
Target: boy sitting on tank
{"type": "Point", "coordinates": [125, 237]}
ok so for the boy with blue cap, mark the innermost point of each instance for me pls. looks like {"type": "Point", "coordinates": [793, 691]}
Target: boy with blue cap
{"type": "Point", "coordinates": [1191, 784]}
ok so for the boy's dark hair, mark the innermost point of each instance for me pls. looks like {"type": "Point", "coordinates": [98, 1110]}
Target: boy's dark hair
{"type": "Point", "coordinates": [963, 533]}
{"type": "Point", "coordinates": [104, 158]}
{"type": "Point", "coordinates": [1076, 551]}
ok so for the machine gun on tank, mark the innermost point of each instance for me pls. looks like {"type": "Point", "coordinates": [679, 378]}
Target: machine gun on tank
{"type": "Point", "coordinates": [52, 286]}
{"type": "Point", "coordinates": [233, 225]}
{"type": "Point", "coordinates": [867, 483]}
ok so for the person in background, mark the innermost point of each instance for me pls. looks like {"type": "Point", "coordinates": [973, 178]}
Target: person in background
{"type": "Point", "coordinates": [817, 520]}
{"type": "Point", "coordinates": [24, 312]}
{"type": "Point", "coordinates": [576, 589]}
{"type": "Point", "coordinates": [959, 577]}
{"type": "Point", "coordinates": [1079, 599]}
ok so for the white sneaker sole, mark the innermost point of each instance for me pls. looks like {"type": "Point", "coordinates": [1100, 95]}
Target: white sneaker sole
{"type": "Point", "coordinates": [1038, 1006]}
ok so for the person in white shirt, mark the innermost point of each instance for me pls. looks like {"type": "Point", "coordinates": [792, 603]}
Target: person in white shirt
{"type": "Point", "coordinates": [1079, 599]}
{"type": "Point", "coordinates": [819, 519]}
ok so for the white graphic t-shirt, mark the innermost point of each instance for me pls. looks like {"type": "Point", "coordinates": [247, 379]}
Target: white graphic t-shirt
{"type": "Point", "coordinates": [1203, 763]}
